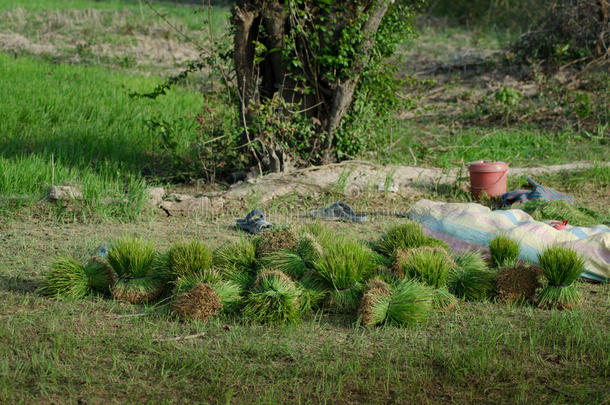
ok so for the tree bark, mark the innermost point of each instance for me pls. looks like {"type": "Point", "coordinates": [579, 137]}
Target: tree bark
{"type": "Point", "coordinates": [268, 22]}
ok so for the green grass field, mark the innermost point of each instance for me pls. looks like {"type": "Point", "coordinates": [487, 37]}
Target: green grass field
{"type": "Point", "coordinates": [66, 71]}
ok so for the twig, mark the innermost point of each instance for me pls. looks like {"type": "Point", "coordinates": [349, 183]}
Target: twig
{"type": "Point", "coordinates": [168, 22]}
{"type": "Point", "coordinates": [178, 338]}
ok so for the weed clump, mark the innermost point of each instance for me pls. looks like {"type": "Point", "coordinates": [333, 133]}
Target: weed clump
{"type": "Point", "coordinates": [273, 299]}
{"type": "Point", "coordinates": [504, 251]}
{"type": "Point", "coordinates": [561, 266]}
{"type": "Point", "coordinates": [470, 278]}
{"type": "Point", "coordinates": [201, 302]}
{"type": "Point", "coordinates": [518, 283]}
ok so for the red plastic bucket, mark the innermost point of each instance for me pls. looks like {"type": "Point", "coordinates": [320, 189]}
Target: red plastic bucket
{"type": "Point", "coordinates": [489, 177]}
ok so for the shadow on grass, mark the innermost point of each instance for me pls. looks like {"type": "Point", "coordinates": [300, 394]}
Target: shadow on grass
{"type": "Point", "coordinates": [18, 284]}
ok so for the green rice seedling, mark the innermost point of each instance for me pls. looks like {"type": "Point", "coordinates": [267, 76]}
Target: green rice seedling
{"type": "Point", "coordinates": [559, 210]}
{"type": "Point", "coordinates": [273, 299]}
{"type": "Point", "coordinates": [470, 278]}
{"type": "Point", "coordinates": [312, 294]}
{"type": "Point", "coordinates": [443, 299]}
{"type": "Point", "coordinates": [343, 268]}
{"type": "Point", "coordinates": [227, 291]}
{"type": "Point", "coordinates": [286, 261]}
{"type": "Point", "coordinates": [504, 251]}
{"type": "Point", "coordinates": [67, 279]}
{"type": "Point", "coordinates": [561, 266]}
{"type": "Point", "coordinates": [184, 258]}
{"type": "Point", "coordinates": [235, 259]}
{"type": "Point", "coordinates": [309, 249]}
{"type": "Point", "coordinates": [138, 290]}
{"type": "Point", "coordinates": [401, 236]}
{"type": "Point", "coordinates": [101, 276]}
{"type": "Point", "coordinates": [184, 283]}
{"type": "Point", "coordinates": [131, 257]}
{"type": "Point", "coordinates": [406, 304]}
{"type": "Point", "coordinates": [430, 265]}
{"type": "Point", "coordinates": [433, 242]}
{"type": "Point", "coordinates": [411, 303]}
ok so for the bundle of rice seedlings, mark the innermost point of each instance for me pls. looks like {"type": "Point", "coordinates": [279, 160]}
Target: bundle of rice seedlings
{"type": "Point", "coordinates": [504, 251]}
{"type": "Point", "coordinates": [131, 257]}
{"type": "Point", "coordinates": [134, 261]}
{"type": "Point", "coordinates": [184, 283]}
{"type": "Point", "coordinates": [273, 299]}
{"type": "Point", "coordinates": [185, 258]}
{"type": "Point", "coordinates": [470, 278]}
{"type": "Point", "coordinates": [101, 276]}
{"type": "Point", "coordinates": [228, 291]}
{"type": "Point", "coordinates": [443, 299]}
{"type": "Point", "coordinates": [374, 303]}
{"type": "Point", "coordinates": [309, 249]}
{"type": "Point", "coordinates": [200, 302]}
{"type": "Point", "coordinates": [275, 239]}
{"type": "Point", "coordinates": [433, 242]}
{"type": "Point", "coordinates": [66, 279]}
{"type": "Point", "coordinates": [138, 290]}
{"type": "Point", "coordinates": [343, 268]}
{"type": "Point", "coordinates": [401, 236]}
{"type": "Point", "coordinates": [542, 210]}
{"type": "Point", "coordinates": [430, 265]}
{"type": "Point", "coordinates": [312, 294]}
{"type": "Point", "coordinates": [288, 262]}
{"type": "Point", "coordinates": [407, 304]}
{"type": "Point", "coordinates": [518, 283]}
{"type": "Point", "coordinates": [237, 262]}
{"type": "Point", "coordinates": [561, 266]}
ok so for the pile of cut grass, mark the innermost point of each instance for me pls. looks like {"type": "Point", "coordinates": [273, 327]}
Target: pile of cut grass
{"type": "Point", "coordinates": [561, 267]}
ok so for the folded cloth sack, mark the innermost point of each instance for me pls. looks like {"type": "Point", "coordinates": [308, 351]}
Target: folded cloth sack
{"type": "Point", "coordinates": [469, 226]}
{"type": "Point", "coordinates": [538, 192]}
{"type": "Point", "coordinates": [254, 222]}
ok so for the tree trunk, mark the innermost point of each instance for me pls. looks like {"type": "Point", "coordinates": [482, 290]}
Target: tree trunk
{"type": "Point", "coordinates": [261, 78]}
